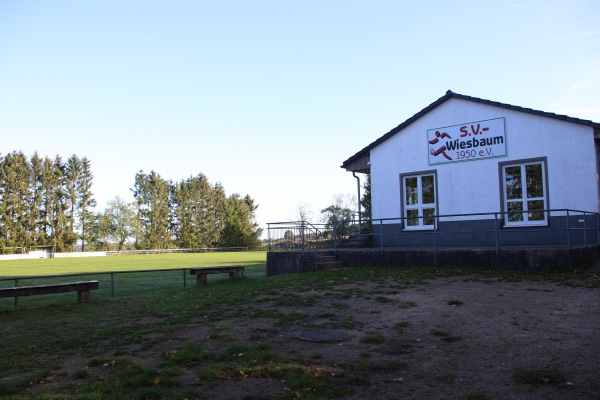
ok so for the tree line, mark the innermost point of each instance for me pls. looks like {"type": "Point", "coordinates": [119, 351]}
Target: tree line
{"type": "Point", "coordinates": [45, 202]}
{"type": "Point", "coordinates": [192, 213]}
{"type": "Point", "coordinates": [49, 202]}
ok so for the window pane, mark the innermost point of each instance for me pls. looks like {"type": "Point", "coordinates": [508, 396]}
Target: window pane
{"type": "Point", "coordinates": [428, 214]}
{"type": "Point", "coordinates": [532, 206]}
{"type": "Point", "coordinates": [514, 188]}
{"type": "Point", "coordinates": [412, 194]}
{"type": "Point", "coordinates": [413, 217]}
{"type": "Point", "coordinates": [515, 211]}
{"type": "Point", "coordinates": [427, 189]}
{"type": "Point", "coordinates": [535, 183]}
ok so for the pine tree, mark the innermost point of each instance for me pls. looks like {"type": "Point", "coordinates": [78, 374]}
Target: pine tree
{"type": "Point", "coordinates": [47, 182]}
{"type": "Point", "coordinates": [41, 199]}
{"type": "Point", "coordinates": [239, 226]}
{"type": "Point", "coordinates": [63, 236]}
{"type": "Point", "coordinates": [152, 195]}
{"type": "Point", "coordinates": [14, 214]}
{"type": "Point", "coordinates": [71, 173]}
{"type": "Point", "coordinates": [36, 201]}
{"type": "Point", "coordinates": [78, 179]}
{"type": "Point", "coordinates": [197, 208]}
{"type": "Point", "coordinates": [85, 202]}
{"type": "Point", "coordinates": [365, 202]}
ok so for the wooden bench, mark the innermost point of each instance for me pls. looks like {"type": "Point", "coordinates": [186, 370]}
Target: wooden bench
{"type": "Point", "coordinates": [82, 289]}
{"type": "Point", "coordinates": [202, 273]}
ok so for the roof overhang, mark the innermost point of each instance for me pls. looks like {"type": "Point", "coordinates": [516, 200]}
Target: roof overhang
{"type": "Point", "coordinates": [361, 164]}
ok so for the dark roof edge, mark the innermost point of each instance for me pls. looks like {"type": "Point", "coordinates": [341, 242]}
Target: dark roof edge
{"type": "Point", "coordinates": [398, 128]}
{"type": "Point", "coordinates": [450, 94]}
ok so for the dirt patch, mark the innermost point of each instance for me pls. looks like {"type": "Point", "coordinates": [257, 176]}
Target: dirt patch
{"type": "Point", "coordinates": [450, 338]}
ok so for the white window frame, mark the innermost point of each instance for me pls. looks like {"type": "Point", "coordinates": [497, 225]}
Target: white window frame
{"type": "Point", "coordinates": [524, 199]}
{"type": "Point", "coordinates": [419, 206]}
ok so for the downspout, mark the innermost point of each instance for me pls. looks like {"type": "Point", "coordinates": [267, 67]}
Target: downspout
{"type": "Point", "coordinates": [358, 189]}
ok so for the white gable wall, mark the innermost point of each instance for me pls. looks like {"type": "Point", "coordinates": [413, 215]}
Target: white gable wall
{"type": "Point", "coordinates": [474, 186]}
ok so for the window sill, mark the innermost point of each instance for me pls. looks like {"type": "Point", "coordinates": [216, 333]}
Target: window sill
{"type": "Point", "coordinates": [525, 224]}
{"type": "Point", "coordinates": [419, 228]}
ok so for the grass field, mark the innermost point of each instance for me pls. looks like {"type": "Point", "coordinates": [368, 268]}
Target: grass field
{"type": "Point", "coordinates": [53, 266]}
{"type": "Point", "coordinates": [114, 273]}
{"type": "Point", "coordinates": [44, 333]}
{"type": "Point", "coordinates": [130, 346]}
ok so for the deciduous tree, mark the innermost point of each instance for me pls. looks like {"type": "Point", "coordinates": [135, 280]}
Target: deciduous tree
{"type": "Point", "coordinates": [339, 214]}
{"type": "Point", "coordinates": [116, 224]}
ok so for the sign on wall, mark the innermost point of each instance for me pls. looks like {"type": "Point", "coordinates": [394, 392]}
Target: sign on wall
{"type": "Point", "coordinates": [467, 142]}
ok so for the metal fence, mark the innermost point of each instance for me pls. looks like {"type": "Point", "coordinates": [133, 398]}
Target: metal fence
{"type": "Point", "coordinates": [111, 275]}
{"type": "Point", "coordinates": [563, 228]}
{"type": "Point", "coordinates": [178, 251]}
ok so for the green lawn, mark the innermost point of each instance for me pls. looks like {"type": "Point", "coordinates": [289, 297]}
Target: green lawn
{"type": "Point", "coordinates": [56, 266]}
{"type": "Point", "coordinates": [112, 272]}
{"type": "Point", "coordinates": [103, 341]}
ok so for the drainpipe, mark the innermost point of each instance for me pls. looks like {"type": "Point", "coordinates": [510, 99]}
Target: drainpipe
{"type": "Point", "coordinates": [359, 212]}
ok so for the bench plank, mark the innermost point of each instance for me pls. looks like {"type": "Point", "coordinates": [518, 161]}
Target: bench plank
{"type": "Point", "coordinates": [202, 273]}
{"type": "Point", "coordinates": [83, 289]}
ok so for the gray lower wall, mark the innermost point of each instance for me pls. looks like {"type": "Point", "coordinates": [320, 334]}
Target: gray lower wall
{"type": "Point", "coordinates": [561, 231]}
{"type": "Point", "coordinates": [542, 259]}
{"type": "Point", "coordinates": [287, 262]}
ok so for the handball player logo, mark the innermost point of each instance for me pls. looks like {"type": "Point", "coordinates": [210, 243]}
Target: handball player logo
{"type": "Point", "coordinates": [441, 150]}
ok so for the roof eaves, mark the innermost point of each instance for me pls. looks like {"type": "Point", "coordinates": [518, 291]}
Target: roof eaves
{"type": "Point", "coordinates": [450, 94]}
{"type": "Point", "coordinates": [546, 114]}
{"type": "Point", "coordinates": [397, 129]}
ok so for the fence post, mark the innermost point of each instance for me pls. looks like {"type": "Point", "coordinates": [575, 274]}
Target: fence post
{"type": "Point", "coordinates": [112, 284]}
{"type": "Point", "coordinates": [597, 229]}
{"type": "Point", "coordinates": [335, 238]}
{"type": "Point", "coordinates": [584, 229]}
{"type": "Point", "coordinates": [568, 232]}
{"type": "Point", "coordinates": [381, 237]}
{"type": "Point", "coordinates": [302, 236]}
{"type": "Point", "coordinates": [496, 231]}
{"type": "Point", "coordinates": [435, 262]}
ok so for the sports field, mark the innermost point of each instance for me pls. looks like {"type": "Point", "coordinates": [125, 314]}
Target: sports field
{"type": "Point", "coordinates": [118, 275]}
{"type": "Point", "coordinates": [408, 333]}
{"type": "Point", "coordinates": [254, 260]}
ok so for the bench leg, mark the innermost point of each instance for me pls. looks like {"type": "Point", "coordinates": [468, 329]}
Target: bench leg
{"type": "Point", "coordinates": [201, 278]}
{"type": "Point", "coordinates": [83, 296]}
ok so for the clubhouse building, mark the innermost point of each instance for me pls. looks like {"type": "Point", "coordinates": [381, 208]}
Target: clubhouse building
{"type": "Point", "coordinates": [469, 172]}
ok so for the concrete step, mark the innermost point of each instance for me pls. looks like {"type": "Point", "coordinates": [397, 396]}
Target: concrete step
{"type": "Point", "coordinates": [326, 258]}
{"type": "Point", "coordinates": [356, 241]}
{"type": "Point", "coordinates": [353, 243]}
{"type": "Point", "coordinates": [331, 264]}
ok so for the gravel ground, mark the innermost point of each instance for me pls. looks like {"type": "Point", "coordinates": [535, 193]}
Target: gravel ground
{"type": "Point", "coordinates": [446, 338]}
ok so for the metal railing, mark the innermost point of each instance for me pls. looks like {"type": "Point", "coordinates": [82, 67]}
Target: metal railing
{"type": "Point", "coordinates": [17, 280]}
{"type": "Point", "coordinates": [298, 235]}
{"type": "Point", "coordinates": [178, 251]}
{"type": "Point", "coordinates": [303, 236]}
{"type": "Point", "coordinates": [561, 227]}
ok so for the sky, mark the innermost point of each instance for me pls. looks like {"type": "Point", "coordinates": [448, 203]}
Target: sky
{"type": "Point", "coordinates": [270, 97]}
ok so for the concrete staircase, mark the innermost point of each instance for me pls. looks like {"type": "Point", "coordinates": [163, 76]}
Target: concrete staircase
{"type": "Point", "coordinates": [355, 241]}
{"type": "Point", "coordinates": [328, 261]}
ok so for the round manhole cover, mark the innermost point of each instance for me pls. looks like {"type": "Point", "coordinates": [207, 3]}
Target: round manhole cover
{"type": "Point", "coordinates": [322, 335]}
